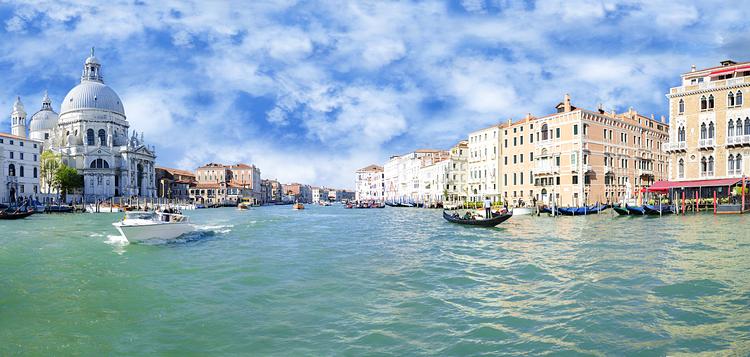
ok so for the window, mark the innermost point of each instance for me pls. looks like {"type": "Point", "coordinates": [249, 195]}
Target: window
{"type": "Point", "coordinates": [711, 130]}
{"type": "Point", "coordinates": [515, 141]}
{"type": "Point", "coordinates": [585, 129]}
{"type": "Point", "coordinates": [747, 126]}
{"type": "Point", "coordinates": [20, 143]}
{"type": "Point", "coordinates": [575, 129]}
{"type": "Point", "coordinates": [545, 132]}
{"type": "Point", "coordinates": [738, 99]}
{"type": "Point", "coordinates": [34, 157]}
{"type": "Point", "coordinates": [99, 164]}
{"type": "Point", "coordinates": [730, 99]}
{"type": "Point", "coordinates": [710, 165]}
{"type": "Point", "coordinates": [575, 180]}
{"type": "Point", "coordinates": [681, 133]}
{"type": "Point", "coordinates": [557, 133]}
{"type": "Point", "coordinates": [730, 164]}
{"type": "Point", "coordinates": [11, 154]}
{"type": "Point", "coordinates": [704, 103]}
{"type": "Point", "coordinates": [11, 170]}
{"type": "Point", "coordinates": [738, 164]}
{"type": "Point", "coordinates": [710, 102]}
{"type": "Point", "coordinates": [531, 156]}
{"type": "Point", "coordinates": [90, 137]}
{"type": "Point", "coordinates": [557, 180]}
{"type": "Point", "coordinates": [681, 169]}
{"type": "Point", "coordinates": [730, 128]}
{"type": "Point", "coordinates": [20, 171]}
{"type": "Point", "coordinates": [704, 132]}
{"type": "Point", "coordinates": [20, 155]}
{"type": "Point", "coordinates": [681, 106]}
{"type": "Point", "coordinates": [738, 127]}
{"type": "Point", "coordinates": [102, 137]}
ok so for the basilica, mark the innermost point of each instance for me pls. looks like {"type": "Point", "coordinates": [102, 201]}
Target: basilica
{"type": "Point", "coordinates": [92, 134]}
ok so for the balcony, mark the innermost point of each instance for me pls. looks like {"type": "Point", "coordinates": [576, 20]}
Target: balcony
{"type": "Point", "coordinates": [608, 169]}
{"type": "Point", "coordinates": [707, 174]}
{"type": "Point", "coordinates": [546, 169]}
{"type": "Point", "coordinates": [707, 144]}
{"type": "Point", "coordinates": [738, 140]}
{"type": "Point", "coordinates": [10, 179]}
{"type": "Point", "coordinates": [675, 146]}
{"type": "Point", "coordinates": [586, 168]}
{"type": "Point", "coordinates": [645, 172]}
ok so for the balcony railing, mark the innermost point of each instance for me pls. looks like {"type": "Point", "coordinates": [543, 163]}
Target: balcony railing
{"type": "Point", "coordinates": [706, 143]}
{"type": "Point", "coordinates": [11, 179]}
{"type": "Point", "coordinates": [546, 169]}
{"type": "Point", "coordinates": [645, 172]}
{"type": "Point", "coordinates": [738, 140]}
{"type": "Point", "coordinates": [675, 146]}
{"type": "Point", "coordinates": [707, 174]}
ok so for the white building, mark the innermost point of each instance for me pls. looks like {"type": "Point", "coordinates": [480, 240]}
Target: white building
{"type": "Point", "coordinates": [484, 164]}
{"type": "Point", "coordinates": [401, 174]}
{"type": "Point", "coordinates": [458, 172]}
{"type": "Point", "coordinates": [92, 135]}
{"type": "Point", "coordinates": [370, 184]}
{"type": "Point", "coordinates": [19, 159]}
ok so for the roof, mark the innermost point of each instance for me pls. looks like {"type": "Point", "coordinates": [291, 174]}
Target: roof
{"type": "Point", "coordinates": [176, 171]}
{"type": "Point", "coordinates": [371, 168]}
{"type": "Point", "coordinates": [91, 95]}
{"type": "Point", "coordinates": [698, 71]}
{"type": "Point", "coordinates": [10, 136]}
{"type": "Point", "coordinates": [661, 186]}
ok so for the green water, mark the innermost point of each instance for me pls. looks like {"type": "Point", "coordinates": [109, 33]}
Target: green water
{"type": "Point", "coordinates": [394, 281]}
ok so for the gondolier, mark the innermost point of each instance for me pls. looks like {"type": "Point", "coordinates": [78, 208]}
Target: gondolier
{"type": "Point", "coordinates": [487, 207]}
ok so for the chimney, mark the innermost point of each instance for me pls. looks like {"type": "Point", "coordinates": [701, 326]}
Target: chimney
{"type": "Point", "coordinates": [510, 122]}
{"type": "Point", "coordinates": [663, 119]}
{"type": "Point", "coordinates": [528, 116]}
{"type": "Point", "coordinates": [600, 108]}
{"type": "Point", "coordinates": [692, 68]}
{"type": "Point", "coordinates": [630, 112]}
{"type": "Point", "coordinates": [566, 103]}
{"type": "Point", "coordinates": [652, 116]}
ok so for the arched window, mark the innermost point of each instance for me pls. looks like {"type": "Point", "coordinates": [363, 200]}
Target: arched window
{"type": "Point", "coordinates": [90, 137]}
{"type": "Point", "coordinates": [738, 98]}
{"type": "Point", "coordinates": [11, 170]}
{"type": "Point", "coordinates": [711, 130]}
{"type": "Point", "coordinates": [681, 106]}
{"type": "Point", "coordinates": [747, 126]}
{"type": "Point", "coordinates": [704, 165]}
{"type": "Point", "coordinates": [703, 131]}
{"type": "Point", "coordinates": [710, 165]}
{"type": "Point", "coordinates": [738, 127]}
{"type": "Point", "coordinates": [102, 137]}
{"type": "Point", "coordinates": [681, 134]}
{"type": "Point", "coordinates": [710, 101]}
{"type": "Point", "coordinates": [730, 128]}
{"type": "Point", "coordinates": [704, 103]}
{"type": "Point", "coordinates": [545, 132]}
{"type": "Point", "coordinates": [99, 164]}
{"type": "Point", "coordinates": [730, 164]}
{"type": "Point", "coordinates": [730, 99]}
{"type": "Point", "coordinates": [682, 168]}
{"type": "Point", "coordinates": [738, 163]}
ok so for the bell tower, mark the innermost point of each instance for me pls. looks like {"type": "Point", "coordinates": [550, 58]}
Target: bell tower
{"type": "Point", "coordinates": [18, 119]}
{"type": "Point", "coordinates": [92, 69]}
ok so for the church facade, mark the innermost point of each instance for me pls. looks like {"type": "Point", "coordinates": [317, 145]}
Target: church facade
{"type": "Point", "coordinates": [92, 134]}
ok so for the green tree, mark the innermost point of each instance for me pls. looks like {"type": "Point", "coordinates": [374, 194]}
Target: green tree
{"type": "Point", "coordinates": [67, 179]}
{"type": "Point", "coordinates": [49, 163]}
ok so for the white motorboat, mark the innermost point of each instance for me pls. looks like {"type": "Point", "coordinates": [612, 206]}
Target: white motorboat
{"type": "Point", "coordinates": [141, 226]}
{"type": "Point", "coordinates": [92, 208]}
{"type": "Point", "coordinates": [517, 211]}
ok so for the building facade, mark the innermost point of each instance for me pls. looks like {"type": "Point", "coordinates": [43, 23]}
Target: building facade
{"type": "Point", "coordinates": [19, 159]}
{"type": "Point", "coordinates": [218, 184]}
{"type": "Point", "coordinates": [483, 164]}
{"type": "Point", "coordinates": [709, 135]}
{"type": "Point", "coordinates": [174, 183]}
{"type": "Point", "coordinates": [401, 174]}
{"type": "Point", "coordinates": [369, 184]}
{"type": "Point", "coordinates": [297, 192]}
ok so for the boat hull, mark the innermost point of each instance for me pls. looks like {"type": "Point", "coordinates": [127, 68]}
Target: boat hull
{"type": "Point", "coordinates": [621, 211]}
{"type": "Point", "coordinates": [491, 222]}
{"type": "Point", "coordinates": [658, 210]}
{"type": "Point", "coordinates": [520, 211]}
{"type": "Point", "coordinates": [640, 211]}
{"type": "Point", "coordinates": [144, 232]}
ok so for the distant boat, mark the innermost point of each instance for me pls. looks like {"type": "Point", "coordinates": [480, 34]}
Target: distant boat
{"type": "Point", "coordinates": [488, 222]}
{"type": "Point", "coordinates": [298, 206]}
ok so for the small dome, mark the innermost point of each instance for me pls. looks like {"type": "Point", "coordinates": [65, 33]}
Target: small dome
{"type": "Point", "coordinates": [92, 95]}
{"type": "Point", "coordinates": [92, 60]}
{"type": "Point", "coordinates": [43, 120]}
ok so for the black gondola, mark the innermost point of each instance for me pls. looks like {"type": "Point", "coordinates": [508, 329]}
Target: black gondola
{"type": "Point", "coordinates": [491, 222]}
{"type": "Point", "coordinates": [622, 211]}
{"type": "Point", "coordinates": [5, 214]}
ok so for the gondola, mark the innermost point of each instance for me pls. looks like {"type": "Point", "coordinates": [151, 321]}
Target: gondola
{"type": "Point", "coordinates": [391, 204]}
{"type": "Point", "coordinates": [491, 222]}
{"type": "Point", "coordinates": [653, 210]}
{"type": "Point", "coordinates": [545, 209]}
{"type": "Point", "coordinates": [580, 211]}
{"type": "Point", "coordinates": [622, 211]}
{"type": "Point", "coordinates": [5, 214]}
{"type": "Point", "coordinates": [635, 210]}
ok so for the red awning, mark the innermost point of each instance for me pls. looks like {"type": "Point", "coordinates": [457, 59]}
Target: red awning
{"type": "Point", "coordinates": [729, 71]}
{"type": "Point", "coordinates": [662, 186]}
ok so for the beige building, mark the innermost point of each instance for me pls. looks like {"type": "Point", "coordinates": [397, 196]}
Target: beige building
{"type": "Point", "coordinates": [710, 124]}
{"type": "Point", "coordinates": [219, 184]}
{"type": "Point", "coordinates": [457, 186]}
{"type": "Point", "coordinates": [401, 174]}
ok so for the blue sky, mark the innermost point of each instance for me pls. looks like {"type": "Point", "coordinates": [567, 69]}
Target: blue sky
{"type": "Point", "coordinates": [309, 91]}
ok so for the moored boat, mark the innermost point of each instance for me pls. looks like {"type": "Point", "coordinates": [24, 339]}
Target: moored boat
{"type": "Point", "coordinates": [487, 222]}
{"type": "Point", "coordinates": [142, 226]}
{"type": "Point", "coordinates": [622, 211]}
{"type": "Point", "coordinates": [15, 214]}
{"type": "Point", "coordinates": [519, 211]}
{"type": "Point", "coordinates": [635, 210]}
{"type": "Point", "coordinates": [657, 210]}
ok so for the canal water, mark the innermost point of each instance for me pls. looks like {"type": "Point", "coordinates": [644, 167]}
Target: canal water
{"type": "Point", "coordinates": [393, 281]}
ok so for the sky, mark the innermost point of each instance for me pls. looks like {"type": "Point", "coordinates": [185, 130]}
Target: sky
{"type": "Point", "coordinates": [310, 91]}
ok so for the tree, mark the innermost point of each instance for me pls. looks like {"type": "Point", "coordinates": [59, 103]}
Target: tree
{"type": "Point", "coordinates": [67, 178]}
{"type": "Point", "coordinates": [49, 163]}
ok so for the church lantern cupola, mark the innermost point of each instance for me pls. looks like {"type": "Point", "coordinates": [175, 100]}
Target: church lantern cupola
{"type": "Point", "coordinates": [18, 119]}
{"type": "Point", "coordinates": [92, 69]}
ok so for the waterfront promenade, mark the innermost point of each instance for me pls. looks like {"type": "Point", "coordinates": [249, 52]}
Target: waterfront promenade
{"type": "Point", "coordinates": [393, 281]}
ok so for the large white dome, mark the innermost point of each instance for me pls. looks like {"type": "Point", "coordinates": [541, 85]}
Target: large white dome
{"type": "Point", "coordinates": [92, 95]}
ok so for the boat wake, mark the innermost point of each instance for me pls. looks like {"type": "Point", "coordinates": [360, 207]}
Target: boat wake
{"type": "Point", "coordinates": [220, 229]}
